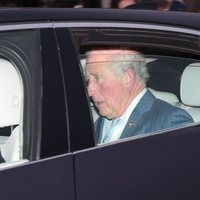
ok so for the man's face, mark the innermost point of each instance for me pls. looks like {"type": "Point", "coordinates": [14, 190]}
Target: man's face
{"type": "Point", "coordinates": [107, 90]}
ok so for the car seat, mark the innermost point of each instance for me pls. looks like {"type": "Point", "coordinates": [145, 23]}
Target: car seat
{"type": "Point", "coordinates": [190, 90]}
{"type": "Point", "coordinates": [11, 97]}
{"type": "Point", "coordinates": [165, 96]}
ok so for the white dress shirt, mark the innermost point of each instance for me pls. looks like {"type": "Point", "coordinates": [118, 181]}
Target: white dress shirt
{"type": "Point", "coordinates": [119, 127]}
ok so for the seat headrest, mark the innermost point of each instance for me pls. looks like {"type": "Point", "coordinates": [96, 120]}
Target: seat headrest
{"type": "Point", "coordinates": [190, 85]}
{"type": "Point", "coordinates": [11, 91]}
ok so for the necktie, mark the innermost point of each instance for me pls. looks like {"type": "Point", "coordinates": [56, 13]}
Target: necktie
{"type": "Point", "coordinates": [109, 136]}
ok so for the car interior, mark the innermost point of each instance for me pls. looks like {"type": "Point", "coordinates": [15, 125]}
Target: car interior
{"type": "Point", "coordinates": [11, 101]}
{"type": "Point", "coordinates": [190, 92]}
{"type": "Point", "coordinates": [180, 81]}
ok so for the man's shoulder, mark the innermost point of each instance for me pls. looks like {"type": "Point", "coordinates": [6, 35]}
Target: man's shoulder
{"type": "Point", "coordinates": [164, 105]}
{"type": "Point", "coordinates": [166, 108]}
{"type": "Point", "coordinates": [159, 103]}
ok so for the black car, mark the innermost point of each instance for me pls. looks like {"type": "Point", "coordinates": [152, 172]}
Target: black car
{"type": "Point", "coordinates": [47, 135]}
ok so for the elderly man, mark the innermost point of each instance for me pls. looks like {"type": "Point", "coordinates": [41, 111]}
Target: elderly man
{"type": "Point", "coordinates": [117, 85]}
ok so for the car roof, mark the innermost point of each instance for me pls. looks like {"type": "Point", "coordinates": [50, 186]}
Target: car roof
{"type": "Point", "coordinates": [183, 19]}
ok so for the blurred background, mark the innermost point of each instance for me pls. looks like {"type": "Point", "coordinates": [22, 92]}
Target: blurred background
{"type": "Point", "coordinates": [172, 5]}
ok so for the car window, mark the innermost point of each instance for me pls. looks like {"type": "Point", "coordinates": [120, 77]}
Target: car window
{"type": "Point", "coordinates": [20, 89]}
{"type": "Point", "coordinates": [172, 73]}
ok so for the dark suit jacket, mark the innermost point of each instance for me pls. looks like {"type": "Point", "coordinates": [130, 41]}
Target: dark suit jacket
{"type": "Point", "coordinates": [150, 114]}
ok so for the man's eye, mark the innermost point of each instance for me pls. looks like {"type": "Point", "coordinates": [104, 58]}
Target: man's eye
{"type": "Point", "coordinates": [96, 78]}
{"type": "Point", "coordinates": [87, 79]}
{"type": "Point", "coordinates": [93, 79]}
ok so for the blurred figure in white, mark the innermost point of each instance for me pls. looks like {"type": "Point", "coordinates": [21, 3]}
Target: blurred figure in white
{"type": "Point", "coordinates": [79, 4]}
{"type": "Point", "coordinates": [122, 3]}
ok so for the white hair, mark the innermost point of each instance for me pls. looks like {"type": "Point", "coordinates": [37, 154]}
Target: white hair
{"type": "Point", "coordinates": [135, 61]}
{"type": "Point", "coordinates": [119, 59]}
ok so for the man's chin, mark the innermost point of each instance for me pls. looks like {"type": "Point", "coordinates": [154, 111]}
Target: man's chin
{"type": "Point", "coordinates": [106, 116]}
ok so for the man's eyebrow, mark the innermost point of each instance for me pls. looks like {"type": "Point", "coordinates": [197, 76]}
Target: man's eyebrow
{"type": "Point", "coordinates": [90, 74]}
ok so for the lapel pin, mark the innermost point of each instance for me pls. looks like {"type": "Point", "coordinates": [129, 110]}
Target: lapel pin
{"type": "Point", "coordinates": [130, 123]}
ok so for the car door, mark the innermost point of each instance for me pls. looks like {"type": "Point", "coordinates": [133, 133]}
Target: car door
{"type": "Point", "coordinates": [159, 165]}
{"type": "Point", "coordinates": [36, 160]}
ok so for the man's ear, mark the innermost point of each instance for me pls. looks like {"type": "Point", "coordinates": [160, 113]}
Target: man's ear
{"type": "Point", "coordinates": [129, 79]}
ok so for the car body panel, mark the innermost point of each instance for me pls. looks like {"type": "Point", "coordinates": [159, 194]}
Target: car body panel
{"type": "Point", "coordinates": [47, 179]}
{"type": "Point", "coordinates": [162, 166]}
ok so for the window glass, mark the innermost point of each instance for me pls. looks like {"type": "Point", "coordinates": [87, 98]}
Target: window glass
{"type": "Point", "coordinates": [170, 80]}
{"type": "Point", "coordinates": [158, 74]}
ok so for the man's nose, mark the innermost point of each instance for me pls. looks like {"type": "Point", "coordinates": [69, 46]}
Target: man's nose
{"type": "Point", "coordinates": [91, 88]}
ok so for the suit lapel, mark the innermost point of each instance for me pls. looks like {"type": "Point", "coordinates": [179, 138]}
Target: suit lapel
{"type": "Point", "coordinates": [137, 114]}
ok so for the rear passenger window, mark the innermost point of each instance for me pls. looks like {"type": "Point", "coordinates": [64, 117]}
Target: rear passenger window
{"type": "Point", "coordinates": [171, 75]}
